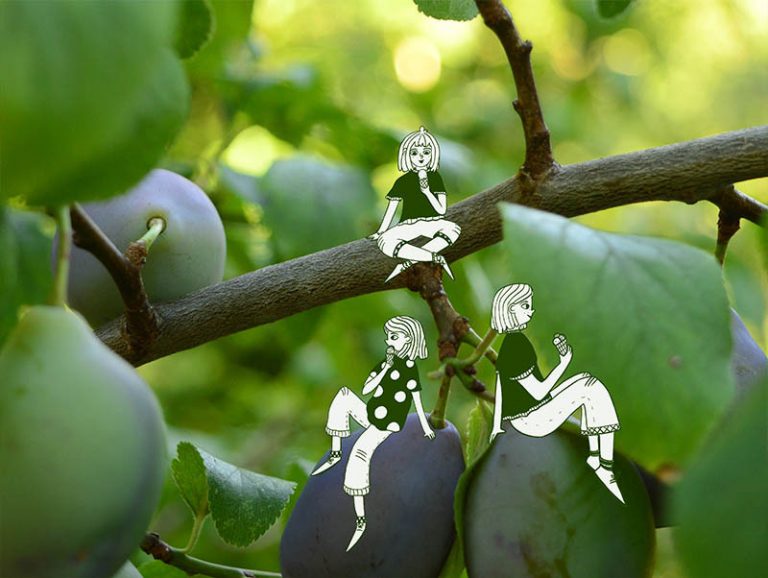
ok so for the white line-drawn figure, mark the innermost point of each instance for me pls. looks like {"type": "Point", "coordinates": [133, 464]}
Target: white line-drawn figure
{"type": "Point", "coordinates": [536, 405]}
{"type": "Point", "coordinates": [422, 193]}
{"type": "Point", "coordinates": [393, 382]}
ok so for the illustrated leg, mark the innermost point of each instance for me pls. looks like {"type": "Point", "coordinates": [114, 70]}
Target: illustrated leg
{"type": "Point", "coordinates": [344, 406]}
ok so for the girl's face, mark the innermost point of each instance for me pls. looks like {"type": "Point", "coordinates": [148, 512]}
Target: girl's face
{"type": "Point", "coordinates": [397, 340]}
{"type": "Point", "coordinates": [421, 156]}
{"type": "Point", "coordinates": [522, 311]}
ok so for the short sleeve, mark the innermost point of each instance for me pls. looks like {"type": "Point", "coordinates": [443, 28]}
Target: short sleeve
{"type": "Point", "coordinates": [411, 373]}
{"type": "Point", "coordinates": [517, 358]}
{"type": "Point", "coordinates": [398, 190]}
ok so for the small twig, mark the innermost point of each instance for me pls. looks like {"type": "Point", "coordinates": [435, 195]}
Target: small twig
{"type": "Point", "coordinates": [727, 225]}
{"type": "Point", "coordinates": [141, 324]}
{"type": "Point", "coordinates": [539, 159]}
{"type": "Point", "coordinates": [159, 550]}
{"type": "Point", "coordinates": [437, 416]}
{"type": "Point", "coordinates": [738, 205]}
{"type": "Point", "coordinates": [64, 224]}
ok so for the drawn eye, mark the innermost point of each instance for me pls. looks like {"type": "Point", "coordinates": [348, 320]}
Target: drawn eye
{"type": "Point", "coordinates": [525, 306]}
{"type": "Point", "coordinates": [394, 337]}
{"type": "Point", "coordinates": [414, 152]}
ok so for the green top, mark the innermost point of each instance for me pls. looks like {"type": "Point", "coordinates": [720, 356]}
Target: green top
{"type": "Point", "coordinates": [516, 360]}
{"type": "Point", "coordinates": [391, 400]}
{"type": "Point", "coordinates": [415, 204]}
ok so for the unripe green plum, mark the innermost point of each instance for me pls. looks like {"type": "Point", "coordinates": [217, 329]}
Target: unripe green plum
{"type": "Point", "coordinates": [535, 508]}
{"type": "Point", "coordinates": [188, 255]}
{"type": "Point", "coordinates": [82, 448]}
{"type": "Point", "coordinates": [409, 512]}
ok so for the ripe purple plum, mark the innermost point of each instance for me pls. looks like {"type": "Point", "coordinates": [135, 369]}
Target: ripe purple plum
{"type": "Point", "coordinates": [410, 528]}
{"type": "Point", "coordinates": [82, 447]}
{"type": "Point", "coordinates": [188, 255]}
{"type": "Point", "coordinates": [535, 508]}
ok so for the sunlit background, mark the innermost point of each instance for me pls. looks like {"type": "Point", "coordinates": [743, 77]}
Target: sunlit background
{"type": "Point", "coordinates": [339, 83]}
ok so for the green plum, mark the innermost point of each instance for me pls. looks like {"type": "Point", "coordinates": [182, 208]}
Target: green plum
{"type": "Point", "coordinates": [188, 255]}
{"type": "Point", "coordinates": [82, 447]}
{"type": "Point", "coordinates": [748, 362]}
{"type": "Point", "coordinates": [535, 508]}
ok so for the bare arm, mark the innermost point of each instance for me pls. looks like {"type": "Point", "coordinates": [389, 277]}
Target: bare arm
{"type": "Point", "coordinates": [539, 389]}
{"type": "Point", "coordinates": [386, 221]}
{"type": "Point", "coordinates": [422, 416]}
{"type": "Point", "coordinates": [373, 381]}
{"type": "Point", "coordinates": [437, 198]}
{"type": "Point", "coordinates": [496, 429]}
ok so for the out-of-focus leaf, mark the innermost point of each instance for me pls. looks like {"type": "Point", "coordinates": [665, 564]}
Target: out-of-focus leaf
{"type": "Point", "coordinates": [189, 474]}
{"type": "Point", "coordinates": [723, 494]}
{"type": "Point", "coordinates": [311, 205]}
{"type": "Point", "coordinates": [25, 264]}
{"type": "Point", "coordinates": [128, 570]}
{"type": "Point", "coordinates": [479, 426]}
{"type": "Point", "coordinates": [612, 8]}
{"type": "Point", "coordinates": [244, 186]}
{"type": "Point", "coordinates": [231, 23]}
{"type": "Point", "coordinates": [243, 504]}
{"type": "Point", "coordinates": [195, 27]}
{"type": "Point", "coordinates": [73, 75]}
{"type": "Point", "coordinates": [448, 9]}
{"type": "Point", "coordinates": [648, 317]}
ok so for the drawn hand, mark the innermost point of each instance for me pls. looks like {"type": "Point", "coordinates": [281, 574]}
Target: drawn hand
{"type": "Point", "coordinates": [374, 236]}
{"type": "Point", "coordinates": [429, 434]}
{"type": "Point", "coordinates": [566, 357]}
{"type": "Point", "coordinates": [494, 433]}
{"type": "Point", "coordinates": [422, 174]}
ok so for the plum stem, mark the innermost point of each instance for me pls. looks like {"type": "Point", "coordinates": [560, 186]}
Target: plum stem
{"type": "Point", "coordinates": [64, 224]}
{"type": "Point", "coordinates": [155, 227]}
{"type": "Point", "coordinates": [437, 417]}
{"type": "Point", "coordinates": [159, 550]}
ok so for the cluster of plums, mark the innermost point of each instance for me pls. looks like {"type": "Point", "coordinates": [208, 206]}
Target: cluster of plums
{"type": "Point", "coordinates": [82, 439]}
{"type": "Point", "coordinates": [532, 507]}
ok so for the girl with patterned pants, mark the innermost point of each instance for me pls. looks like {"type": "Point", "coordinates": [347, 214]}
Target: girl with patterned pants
{"type": "Point", "coordinates": [394, 383]}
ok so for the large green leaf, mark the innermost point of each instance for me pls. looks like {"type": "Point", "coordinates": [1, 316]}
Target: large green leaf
{"type": "Point", "coordinates": [25, 264]}
{"type": "Point", "coordinates": [648, 317]}
{"type": "Point", "coordinates": [74, 75]}
{"type": "Point", "coordinates": [722, 501]}
{"type": "Point", "coordinates": [311, 205]}
{"type": "Point", "coordinates": [448, 9]}
{"type": "Point", "coordinates": [243, 504]}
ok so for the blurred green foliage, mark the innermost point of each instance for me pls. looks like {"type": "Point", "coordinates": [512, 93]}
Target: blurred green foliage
{"type": "Point", "coordinates": [336, 85]}
{"type": "Point", "coordinates": [297, 109]}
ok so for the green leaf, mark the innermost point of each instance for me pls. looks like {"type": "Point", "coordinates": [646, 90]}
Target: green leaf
{"type": "Point", "coordinates": [448, 9]}
{"type": "Point", "coordinates": [479, 426]}
{"type": "Point", "coordinates": [73, 75]}
{"type": "Point", "coordinates": [243, 504]}
{"type": "Point", "coordinates": [722, 503]}
{"type": "Point", "coordinates": [454, 566]}
{"type": "Point", "coordinates": [612, 8]}
{"type": "Point", "coordinates": [189, 474]}
{"type": "Point", "coordinates": [310, 205]}
{"type": "Point", "coordinates": [25, 264]}
{"type": "Point", "coordinates": [195, 27]}
{"type": "Point", "coordinates": [648, 317]}
{"type": "Point", "coordinates": [158, 569]}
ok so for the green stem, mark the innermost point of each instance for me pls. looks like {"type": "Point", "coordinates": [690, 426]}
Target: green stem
{"type": "Point", "coordinates": [482, 348]}
{"type": "Point", "coordinates": [197, 528]}
{"type": "Point", "coordinates": [175, 557]}
{"type": "Point", "coordinates": [59, 292]}
{"type": "Point", "coordinates": [437, 417]}
{"type": "Point", "coordinates": [155, 226]}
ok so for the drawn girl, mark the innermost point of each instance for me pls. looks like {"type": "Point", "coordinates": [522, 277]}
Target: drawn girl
{"type": "Point", "coordinates": [422, 194]}
{"type": "Point", "coordinates": [394, 382]}
{"type": "Point", "coordinates": [536, 405]}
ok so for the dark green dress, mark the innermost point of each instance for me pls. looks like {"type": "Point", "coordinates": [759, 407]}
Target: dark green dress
{"type": "Point", "coordinates": [415, 204]}
{"type": "Point", "coordinates": [391, 400]}
{"type": "Point", "coordinates": [516, 359]}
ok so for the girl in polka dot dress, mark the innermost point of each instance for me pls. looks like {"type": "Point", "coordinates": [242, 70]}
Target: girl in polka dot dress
{"type": "Point", "coordinates": [394, 383]}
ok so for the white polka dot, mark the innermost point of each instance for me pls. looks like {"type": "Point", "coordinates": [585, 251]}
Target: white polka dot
{"type": "Point", "coordinates": [411, 384]}
{"type": "Point", "coordinates": [378, 392]}
{"type": "Point", "coordinates": [380, 412]}
{"type": "Point", "coordinates": [393, 427]}
{"type": "Point", "coordinates": [409, 363]}
{"type": "Point", "coordinates": [395, 374]}
{"type": "Point", "coordinates": [400, 396]}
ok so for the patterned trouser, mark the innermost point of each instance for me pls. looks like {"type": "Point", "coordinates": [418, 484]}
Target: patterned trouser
{"type": "Point", "coordinates": [348, 405]}
{"type": "Point", "coordinates": [582, 391]}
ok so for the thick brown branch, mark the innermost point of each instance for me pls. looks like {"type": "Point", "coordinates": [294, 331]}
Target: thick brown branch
{"type": "Point", "coordinates": [538, 150]}
{"type": "Point", "coordinates": [141, 324]}
{"type": "Point", "coordinates": [689, 172]}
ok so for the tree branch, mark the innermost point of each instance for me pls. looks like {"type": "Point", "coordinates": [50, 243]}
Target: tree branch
{"type": "Point", "coordinates": [689, 172]}
{"type": "Point", "coordinates": [538, 150]}
{"type": "Point", "coordinates": [140, 324]}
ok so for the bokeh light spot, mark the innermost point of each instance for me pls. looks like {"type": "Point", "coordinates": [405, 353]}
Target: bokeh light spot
{"type": "Point", "coordinates": [627, 52]}
{"type": "Point", "coordinates": [417, 64]}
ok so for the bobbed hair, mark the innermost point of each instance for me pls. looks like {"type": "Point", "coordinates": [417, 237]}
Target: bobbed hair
{"type": "Point", "coordinates": [418, 138]}
{"type": "Point", "coordinates": [417, 347]}
{"type": "Point", "coordinates": [502, 318]}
